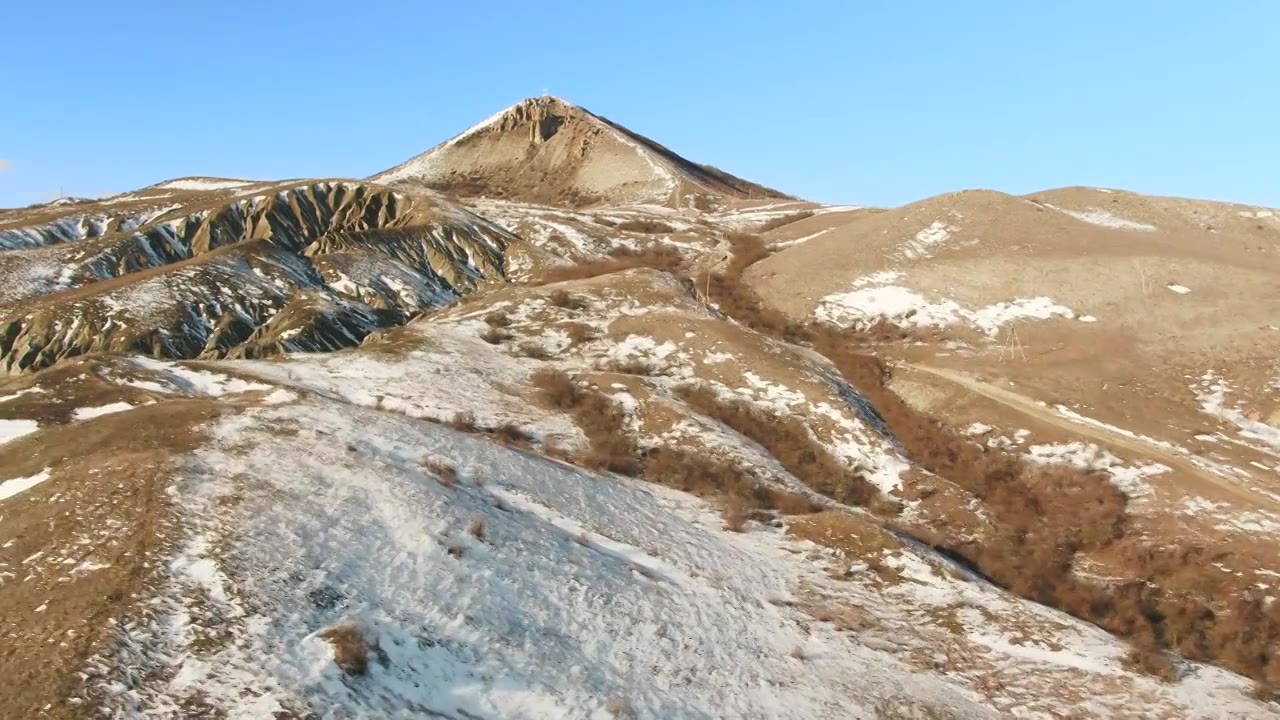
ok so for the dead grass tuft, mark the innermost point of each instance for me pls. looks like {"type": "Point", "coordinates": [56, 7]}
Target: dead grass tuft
{"type": "Point", "coordinates": [562, 299]}
{"type": "Point", "coordinates": [476, 528]}
{"type": "Point", "coordinates": [350, 653]}
{"type": "Point", "coordinates": [444, 470]}
{"type": "Point", "coordinates": [556, 388]}
{"type": "Point", "coordinates": [495, 335]}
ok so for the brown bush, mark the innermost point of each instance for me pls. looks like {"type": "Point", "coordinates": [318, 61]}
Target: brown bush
{"type": "Point", "coordinates": [556, 388]}
{"type": "Point", "coordinates": [579, 332]}
{"type": "Point", "coordinates": [476, 528]}
{"type": "Point", "coordinates": [644, 226]}
{"type": "Point", "coordinates": [495, 336]}
{"type": "Point", "coordinates": [497, 319]}
{"type": "Point", "coordinates": [445, 472]}
{"type": "Point", "coordinates": [562, 299]}
{"type": "Point", "coordinates": [736, 513]}
{"type": "Point", "coordinates": [350, 653]}
{"type": "Point", "coordinates": [464, 421]}
{"type": "Point", "coordinates": [1145, 657]}
{"type": "Point", "coordinates": [533, 349]}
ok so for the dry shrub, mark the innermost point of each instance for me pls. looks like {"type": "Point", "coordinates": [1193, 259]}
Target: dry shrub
{"type": "Point", "coordinates": [736, 513]}
{"type": "Point", "coordinates": [350, 653]}
{"type": "Point", "coordinates": [476, 528]}
{"type": "Point", "coordinates": [1145, 657]}
{"type": "Point", "coordinates": [790, 442]}
{"type": "Point", "coordinates": [605, 425]}
{"type": "Point", "coordinates": [512, 435]}
{"type": "Point", "coordinates": [556, 388]}
{"type": "Point", "coordinates": [532, 349]}
{"type": "Point", "coordinates": [497, 320]}
{"type": "Point", "coordinates": [495, 336]}
{"type": "Point", "coordinates": [665, 259]}
{"type": "Point", "coordinates": [455, 550]}
{"type": "Point", "coordinates": [579, 332]}
{"type": "Point", "coordinates": [562, 299]}
{"type": "Point", "coordinates": [445, 472]}
{"type": "Point", "coordinates": [464, 421]}
{"type": "Point", "coordinates": [651, 227]}
{"type": "Point", "coordinates": [633, 366]}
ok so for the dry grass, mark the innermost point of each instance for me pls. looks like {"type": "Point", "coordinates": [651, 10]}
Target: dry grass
{"type": "Point", "coordinates": [497, 320]}
{"type": "Point", "coordinates": [476, 528]}
{"type": "Point", "coordinates": [562, 299]}
{"type": "Point", "coordinates": [444, 470]}
{"type": "Point", "coordinates": [532, 349]}
{"type": "Point", "coordinates": [350, 653]}
{"type": "Point", "coordinates": [556, 389]}
{"type": "Point", "coordinates": [495, 335]}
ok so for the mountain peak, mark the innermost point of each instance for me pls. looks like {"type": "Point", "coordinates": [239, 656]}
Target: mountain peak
{"type": "Point", "coordinates": [548, 150]}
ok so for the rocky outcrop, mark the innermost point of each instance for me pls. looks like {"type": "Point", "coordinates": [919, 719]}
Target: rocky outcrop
{"type": "Point", "coordinates": [309, 267]}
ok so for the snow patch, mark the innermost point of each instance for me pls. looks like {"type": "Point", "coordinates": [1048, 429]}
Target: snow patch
{"type": "Point", "coordinates": [9, 488]}
{"type": "Point", "coordinates": [14, 429]}
{"type": "Point", "coordinates": [92, 412]}
{"type": "Point", "coordinates": [1180, 289]}
{"type": "Point", "coordinates": [1102, 218]}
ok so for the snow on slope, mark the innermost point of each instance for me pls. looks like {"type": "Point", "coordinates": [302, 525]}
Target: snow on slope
{"type": "Point", "coordinates": [908, 308]}
{"type": "Point", "coordinates": [198, 183]}
{"type": "Point", "coordinates": [582, 597]}
{"type": "Point", "coordinates": [1102, 218]}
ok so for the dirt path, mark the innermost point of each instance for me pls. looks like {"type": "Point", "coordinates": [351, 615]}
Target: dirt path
{"type": "Point", "coordinates": [1045, 414]}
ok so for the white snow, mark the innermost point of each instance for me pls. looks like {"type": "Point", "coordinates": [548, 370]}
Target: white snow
{"type": "Point", "coordinates": [9, 488]}
{"type": "Point", "coordinates": [924, 242]}
{"type": "Point", "coordinates": [581, 596]}
{"type": "Point", "coordinates": [204, 184]}
{"type": "Point", "coordinates": [14, 429]}
{"type": "Point", "coordinates": [1087, 456]}
{"type": "Point", "coordinates": [908, 308]}
{"type": "Point", "coordinates": [87, 413]}
{"type": "Point", "coordinates": [198, 382]}
{"type": "Point", "coordinates": [1212, 396]}
{"type": "Point", "coordinates": [1180, 289]}
{"type": "Point", "coordinates": [1095, 216]}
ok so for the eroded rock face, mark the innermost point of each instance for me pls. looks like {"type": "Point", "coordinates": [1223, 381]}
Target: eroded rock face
{"type": "Point", "coordinates": [305, 267]}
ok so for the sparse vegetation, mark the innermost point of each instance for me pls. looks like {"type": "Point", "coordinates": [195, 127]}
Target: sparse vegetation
{"type": "Point", "coordinates": [644, 225]}
{"type": "Point", "coordinates": [665, 259]}
{"type": "Point", "coordinates": [476, 528]}
{"type": "Point", "coordinates": [562, 299]}
{"type": "Point", "coordinates": [790, 441]}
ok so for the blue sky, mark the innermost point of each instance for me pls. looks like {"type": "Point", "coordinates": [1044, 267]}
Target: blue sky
{"type": "Point", "coordinates": [865, 102]}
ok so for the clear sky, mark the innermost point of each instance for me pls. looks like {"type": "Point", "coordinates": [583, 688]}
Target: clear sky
{"type": "Point", "coordinates": [875, 103]}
